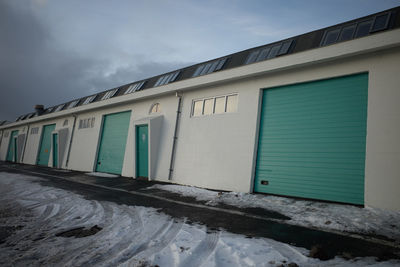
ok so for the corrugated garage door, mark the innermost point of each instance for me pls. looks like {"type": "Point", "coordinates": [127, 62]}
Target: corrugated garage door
{"type": "Point", "coordinates": [112, 142]}
{"type": "Point", "coordinates": [312, 140]}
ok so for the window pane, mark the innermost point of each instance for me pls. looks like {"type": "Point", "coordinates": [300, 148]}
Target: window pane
{"type": "Point", "coordinates": [231, 103]}
{"type": "Point", "coordinates": [274, 51]}
{"type": "Point", "coordinates": [363, 28]}
{"type": "Point", "coordinates": [219, 105]}
{"type": "Point", "coordinates": [381, 22]}
{"type": "Point", "coordinates": [198, 108]}
{"type": "Point", "coordinates": [208, 106]}
{"type": "Point", "coordinates": [331, 36]}
{"type": "Point", "coordinates": [347, 33]}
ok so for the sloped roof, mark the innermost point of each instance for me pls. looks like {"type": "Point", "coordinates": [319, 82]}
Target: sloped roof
{"type": "Point", "coordinates": [357, 28]}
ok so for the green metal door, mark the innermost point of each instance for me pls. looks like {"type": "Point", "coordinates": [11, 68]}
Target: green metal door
{"type": "Point", "coordinates": [12, 147]}
{"type": "Point", "coordinates": [111, 152]}
{"type": "Point", "coordinates": [45, 145]}
{"type": "Point", "coordinates": [312, 140]}
{"type": "Point", "coordinates": [55, 150]}
{"type": "Point", "coordinates": [142, 151]}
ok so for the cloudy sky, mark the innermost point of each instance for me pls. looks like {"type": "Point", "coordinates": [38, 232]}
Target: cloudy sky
{"type": "Point", "coordinates": [52, 51]}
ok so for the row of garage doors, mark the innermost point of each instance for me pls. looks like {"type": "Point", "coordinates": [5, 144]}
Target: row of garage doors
{"type": "Point", "coordinates": [111, 149]}
{"type": "Point", "coordinates": [311, 144]}
{"type": "Point", "coordinates": [312, 139]}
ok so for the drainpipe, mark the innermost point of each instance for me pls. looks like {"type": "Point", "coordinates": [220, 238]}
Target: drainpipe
{"type": "Point", "coordinates": [1, 136]}
{"type": "Point", "coordinates": [178, 115]}
{"type": "Point", "coordinates": [26, 140]}
{"type": "Point", "coordinates": [70, 142]}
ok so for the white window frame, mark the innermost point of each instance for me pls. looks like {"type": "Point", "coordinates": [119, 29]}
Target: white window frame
{"type": "Point", "coordinates": [89, 99]}
{"type": "Point", "coordinates": [214, 103]}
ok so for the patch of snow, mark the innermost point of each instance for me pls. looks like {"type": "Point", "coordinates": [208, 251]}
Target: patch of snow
{"type": "Point", "coordinates": [130, 235]}
{"type": "Point", "coordinates": [307, 213]}
{"type": "Point", "coordinates": [102, 174]}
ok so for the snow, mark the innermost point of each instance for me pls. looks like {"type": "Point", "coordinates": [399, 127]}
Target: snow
{"type": "Point", "coordinates": [320, 215]}
{"type": "Point", "coordinates": [102, 174]}
{"type": "Point", "coordinates": [130, 235]}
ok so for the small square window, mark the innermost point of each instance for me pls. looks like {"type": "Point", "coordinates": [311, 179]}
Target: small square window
{"type": "Point", "coordinates": [231, 103]}
{"type": "Point", "coordinates": [208, 106]}
{"type": "Point", "coordinates": [198, 108]}
{"type": "Point", "coordinates": [220, 105]}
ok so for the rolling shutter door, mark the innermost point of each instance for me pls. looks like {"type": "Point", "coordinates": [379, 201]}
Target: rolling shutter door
{"type": "Point", "coordinates": [312, 140]}
{"type": "Point", "coordinates": [112, 143]}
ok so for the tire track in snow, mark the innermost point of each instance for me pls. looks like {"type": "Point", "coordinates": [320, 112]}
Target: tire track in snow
{"type": "Point", "coordinates": [159, 244]}
{"type": "Point", "coordinates": [203, 250]}
{"type": "Point", "coordinates": [140, 243]}
{"type": "Point", "coordinates": [126, 236]}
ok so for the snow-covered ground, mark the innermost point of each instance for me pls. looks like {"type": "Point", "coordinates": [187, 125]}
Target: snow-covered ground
{"type": "Point", "coordinates": [305, 213]}
{"type": "Point", "coordinates": [102, 174]}
{"type": "Point", "coordinates": [130, 235]}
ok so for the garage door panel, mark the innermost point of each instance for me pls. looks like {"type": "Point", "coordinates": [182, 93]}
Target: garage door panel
{"type": "Point", "coordinates": [112, 143]}
{"type": "Point", "coordinates": [312, 140]}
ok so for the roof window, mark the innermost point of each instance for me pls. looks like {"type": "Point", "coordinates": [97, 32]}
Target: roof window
{"type": "Point", "coordinates": [109, 94]}
{"type": "Point", "coordinates": [134, 87]}
{"type": "Point", "coordinates": [73, 104]}
{"type": "Point", "coordinates": [269, 52]}
{"type": "Point", "coordinates": [89, 99]}
{"type": "Point", "coordinates": [210, 67]}
{"type": "Point", "coordinates": [167, 78]}
{"type": "Point", "coordinates": [59, 107]}
{"type": "Point", "coordinates": [356, 30]}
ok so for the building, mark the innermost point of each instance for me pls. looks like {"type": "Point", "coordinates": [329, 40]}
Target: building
{"type": "Point", "coordinates": [313, 116]}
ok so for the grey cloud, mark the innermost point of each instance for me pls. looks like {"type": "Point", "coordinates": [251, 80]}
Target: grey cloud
{"type": "Point", "coordinates": [34, 70]}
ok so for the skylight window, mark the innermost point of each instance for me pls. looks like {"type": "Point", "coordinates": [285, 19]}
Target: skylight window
{"type": "Point", "coordinates": [356, 30]}
{"type": "Point", "coordinates": [73, 104]}
{"type": "Point", "coordinates": [381, 22]}
{"type": "Point", "coordinates": [109, 94]}
{"type": "Point", "coordinates": [210, 67]}
{"type": "Point", "coordinates": [269, 52]}
{"type": "Point", "coordinates": [88, 100]}
{"type": "Point", "coordinates": [167, 78]}
{"type": "Point", "coordinates": [59, 107]}
{"type": "Point", "coordinates": [134, 87]}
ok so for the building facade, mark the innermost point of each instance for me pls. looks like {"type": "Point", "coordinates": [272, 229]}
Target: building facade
{"type": "Point", "coordinates": [313, 116]}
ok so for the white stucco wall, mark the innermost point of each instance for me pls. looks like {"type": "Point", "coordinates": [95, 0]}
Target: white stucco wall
{"type": "Point", "coordinates": [85, 141]}
{"type": "Point", "coordinates": [5, 141]}
{"type": "Point", "coordinates": [218, 151]}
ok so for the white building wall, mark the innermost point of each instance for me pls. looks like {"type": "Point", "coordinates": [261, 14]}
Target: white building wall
{"type": "Point", "coordinates": [5, 141]}
{"type": "Point", "coordinates": [85, 141]}
{"type": "Point", "coordinates": [216, 151]}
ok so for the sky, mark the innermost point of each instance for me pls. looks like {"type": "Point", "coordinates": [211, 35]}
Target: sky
{"type": "Point", "coordinates": [53, 51]}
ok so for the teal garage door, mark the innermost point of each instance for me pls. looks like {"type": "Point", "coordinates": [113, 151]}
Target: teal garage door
{"type": "Point", "coordinates": [142, 148]}
{"type": "Point", "coordinates": [312, 140]}
{"type": "Point", "coordinates": [45, 145]}
{"type": "Point", "coordinates": [12, 147]}
{"type": "Point", "coordinates": [111, 152]}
